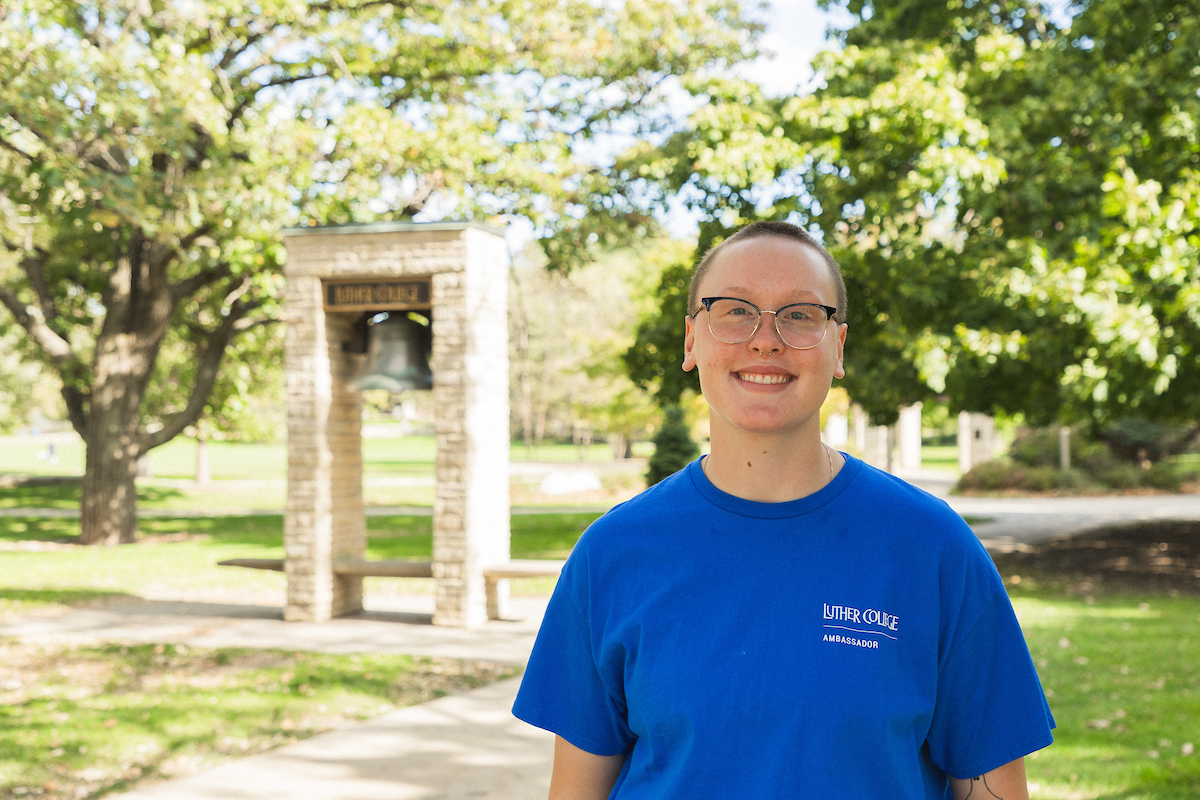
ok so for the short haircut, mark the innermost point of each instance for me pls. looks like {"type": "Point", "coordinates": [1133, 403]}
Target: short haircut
{"type": "Point", "coordinates": [782, 230]}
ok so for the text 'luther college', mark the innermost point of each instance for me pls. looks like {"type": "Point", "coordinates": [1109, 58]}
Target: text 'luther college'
{"type": "Point", "coordinates": [864, 616]}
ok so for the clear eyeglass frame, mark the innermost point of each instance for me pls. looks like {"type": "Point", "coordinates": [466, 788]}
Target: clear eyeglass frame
{"type": "Point", "coordinates": [708, 302]}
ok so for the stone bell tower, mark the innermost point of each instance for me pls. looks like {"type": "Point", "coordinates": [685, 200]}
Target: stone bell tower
{"type": "Point", "coordinates": [457, 274]}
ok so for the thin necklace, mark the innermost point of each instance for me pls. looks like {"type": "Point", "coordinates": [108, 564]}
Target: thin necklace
{"type": "Point", "coordinates": [825, 447]}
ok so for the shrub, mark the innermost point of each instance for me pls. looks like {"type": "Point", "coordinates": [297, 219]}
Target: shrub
{"type": "Point", "coordinates": [1121, 476]}
{"type": "Point", "coordinates": [1040, 479]}
{"type": "Point", "coordinates": [1094, 457]}
{"type": "Point", "coordinates": [1136, 439]}
{"type": "Point", "coordinates": [1164, 475]}
{"type": "Point", "coordinates": [673, 446]}
{"type": "Point", "coordinates": [991, 476]}
{"type": "Point", "coordinates": [1037, 447]}
{"type": "Point", "coordinates": [1073, 479]}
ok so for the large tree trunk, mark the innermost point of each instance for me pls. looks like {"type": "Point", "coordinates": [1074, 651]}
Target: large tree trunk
{"type": "Point", "coordinates": [108, 512]}
{"type": "Point", "coordinates": [139, 308]}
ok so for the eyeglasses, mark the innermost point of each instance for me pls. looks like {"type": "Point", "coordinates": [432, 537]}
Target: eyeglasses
{"type": "Point", "coordinates": [801, 326]}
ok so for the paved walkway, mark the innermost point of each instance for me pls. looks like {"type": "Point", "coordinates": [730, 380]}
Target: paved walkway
{"type": "Point", "coordinates": [467, 745]}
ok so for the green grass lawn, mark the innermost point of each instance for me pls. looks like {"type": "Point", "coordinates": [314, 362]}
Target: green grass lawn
{"type": "Point", "coordinates": [88, 721]}
{"type": "Point", "coordinates": [36, 580]}
{"type": "Point", "coordinates": [253, 476]}
{"type": "Point", "coordinates": [940, 457]}
{"type": "Point", "coordinates": [1122, 674]}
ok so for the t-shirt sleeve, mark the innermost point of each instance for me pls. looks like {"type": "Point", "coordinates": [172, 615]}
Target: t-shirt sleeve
{"type": "Point", "coordinates": [563, 690]}
{"type": "Point", "coordinates": [990, 706]}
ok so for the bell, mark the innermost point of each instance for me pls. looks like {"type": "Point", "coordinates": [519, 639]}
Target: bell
{"type": "Point", "coordinates": [398, 348]}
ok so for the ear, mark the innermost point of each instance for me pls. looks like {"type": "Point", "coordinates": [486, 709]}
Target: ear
{"type": "Point", "coordinates": [689, 341]}
{"type": "Point", "coordinates": [839, 370]}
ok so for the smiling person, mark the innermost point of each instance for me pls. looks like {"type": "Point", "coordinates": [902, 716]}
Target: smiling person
{"type": "Point", "coordinates": [777, 619]}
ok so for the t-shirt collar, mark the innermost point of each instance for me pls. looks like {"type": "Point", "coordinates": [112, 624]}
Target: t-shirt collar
{"type": "Point", "coordinates": [791, 508]}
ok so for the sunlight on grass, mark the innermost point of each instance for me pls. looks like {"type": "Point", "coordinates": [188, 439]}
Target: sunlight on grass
{"type": "Point", "coordinates": [180, 558]}
{"type": "Point", "coordinates": [1122, 675]}
{"type": "Point", "coordinates": [85, 721]}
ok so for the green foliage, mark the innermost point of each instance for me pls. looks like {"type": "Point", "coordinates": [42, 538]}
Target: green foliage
{"type": "Point", "coordinates": [1140, 440]}
{"type": "Point", "coordinates": [150, 154]}
{"type": "Point", "coordinates": [1039, 447]}
{"type": "Point", "coordinates": [655, 361]}
{"type": "Point", "coordinates": [1035, 467]}
{"type": "Point", "coordinates": [567, 334]}
{"type": "Point", "coordinates": [674, 448]}
{"type": "Point", "coordinates": [1164, 475]}
{"type": "Point", "coordinates": [1013, 204]}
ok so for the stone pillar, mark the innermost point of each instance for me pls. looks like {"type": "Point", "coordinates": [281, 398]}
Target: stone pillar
{"type": "Point", "coordinates": [859, 422]}
{"type": "Point", "coordinates": [465, 267]}
{"type": "Point", "coordinates": [470, 369]}
{"type": "Point", "coordinates": [878, 449]}
{"type": "Point", "coordinates": [976, 439]}
{"type": "Point", "coordinates": [908, 436]}
{"type": "Point", "coordinates": [837, 431]}
{"type": "Point", "coordinates": [324, 519]}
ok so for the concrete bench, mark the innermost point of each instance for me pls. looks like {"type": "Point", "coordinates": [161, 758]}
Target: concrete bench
{"type": "Point", "coordinates": [492, 574]}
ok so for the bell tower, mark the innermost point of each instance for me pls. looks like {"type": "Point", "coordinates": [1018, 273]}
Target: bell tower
{"type": "Point", "coordinates": [352, 288]}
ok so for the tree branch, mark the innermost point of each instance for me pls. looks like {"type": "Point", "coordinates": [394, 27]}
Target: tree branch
{"type": "Point", "coordinates": [13, 148]}
{"type": "Point", "coordinates": [191, 285]}
{"type": "Point", "coordinates": [234, 51]}
{"type": "Point", "coordinates": [208, 366]}
{"type": "Point", "coordinates": [352, 7]}
{"type": "Point", "coordinates": [75, 401]}
{"type": "Point", "coordinates": [30, 318]}
{"type": "Point", "coordinates": [34, 268]}
{"type": "Point", "coordinates": [238, 110]}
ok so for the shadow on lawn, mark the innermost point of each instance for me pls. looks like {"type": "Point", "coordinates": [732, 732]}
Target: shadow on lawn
{"type": "Point", "coordinates": [229, 530]}
{"type": "Point", "coordinates": [67, 597]}
{"type": "Point", "coordinates": [1147, 557]}
{"type": "Point", "coordinates": [60, 493]}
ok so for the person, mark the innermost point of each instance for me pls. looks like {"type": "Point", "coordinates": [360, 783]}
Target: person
{"type": "Point", "coordinates": [777, 619]}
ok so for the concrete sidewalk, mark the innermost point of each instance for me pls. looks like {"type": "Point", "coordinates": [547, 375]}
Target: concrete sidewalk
{"type": "Point", "coordinates": [457, 747]}
{"type": "Point", "coordinates": [468, 745]}
{"type": "Point", "coordinates": [462, 746]}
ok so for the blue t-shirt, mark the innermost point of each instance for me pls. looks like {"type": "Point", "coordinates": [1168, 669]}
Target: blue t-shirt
{"type": "Point", "coordinates": [855, 643]}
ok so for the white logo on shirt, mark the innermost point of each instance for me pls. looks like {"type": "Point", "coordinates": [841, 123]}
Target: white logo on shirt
{"type": "Point", "coordinates": [867, 621]}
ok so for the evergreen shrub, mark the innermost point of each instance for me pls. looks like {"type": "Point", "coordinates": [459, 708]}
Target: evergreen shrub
{"type": "Point", "coordinates": [673, 446]}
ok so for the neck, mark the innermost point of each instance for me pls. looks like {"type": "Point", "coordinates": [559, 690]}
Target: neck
{"type": "Point", "coordinates": [770, 469]}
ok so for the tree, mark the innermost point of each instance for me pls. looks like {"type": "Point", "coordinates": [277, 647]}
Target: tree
{"type": "Point", "coordinates": [567, 332]}
{"type": "Point", "coordinates": [673, 446]}
{"type": "Point", "coordinates": [832, 163]}
{"type": "Point", "coordinates": [1089, 242]}
{"type": "Point", "coordinates": [1013, 201]}
{"type": "Point", "coordinates": [150, 152]}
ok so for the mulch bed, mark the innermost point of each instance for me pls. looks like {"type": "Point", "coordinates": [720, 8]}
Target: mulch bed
{"type": "Point", "coordinates": [1149, 557]}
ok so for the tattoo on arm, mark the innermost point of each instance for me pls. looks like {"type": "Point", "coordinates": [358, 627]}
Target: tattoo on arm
{"type": "Point", "coordinates": [979, 783]}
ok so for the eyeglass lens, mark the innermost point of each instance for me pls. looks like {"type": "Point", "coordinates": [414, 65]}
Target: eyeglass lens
{"type": "Point", "coordinates": [800, 326]}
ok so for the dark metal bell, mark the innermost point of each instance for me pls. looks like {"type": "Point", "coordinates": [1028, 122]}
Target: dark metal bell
{"type": "Point", "coordinates": [398, 350]}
